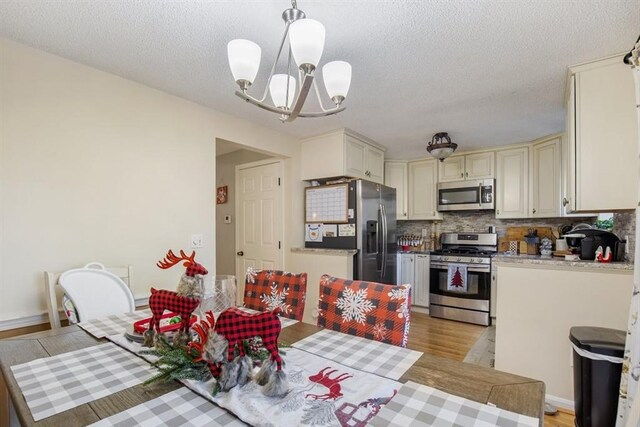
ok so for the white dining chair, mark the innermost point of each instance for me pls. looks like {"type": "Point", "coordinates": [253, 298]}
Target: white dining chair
{"type": "Point", "coordinates": [94, 290]}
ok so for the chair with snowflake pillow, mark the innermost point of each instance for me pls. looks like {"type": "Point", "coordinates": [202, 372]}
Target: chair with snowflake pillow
{"type": "Point", "coordinates": [266, 290]}
{"type": "Point", "coordinates": [366, 309]}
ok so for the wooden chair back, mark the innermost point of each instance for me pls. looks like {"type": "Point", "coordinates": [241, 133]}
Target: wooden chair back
{"type": "Point", "coordinates": [366, 309]}
{"type": "Point", "coordinates": [54, 291]}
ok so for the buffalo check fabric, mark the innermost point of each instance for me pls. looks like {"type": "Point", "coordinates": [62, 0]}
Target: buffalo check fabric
{"type": "Point", "coordinates": [367, 309]}
{"type": "Point", "coordinates": [266, 290]}
{"type": "Point", "coordinates": [418, 405]}
{"type": "Point", "coordinates": [55, 384]}
{"type": "Point", "coordinates": [181, 407]}
{"type": "Point", "coordinates": [114, 324]}
{"type": "Point", "coordinates": [386, 360]}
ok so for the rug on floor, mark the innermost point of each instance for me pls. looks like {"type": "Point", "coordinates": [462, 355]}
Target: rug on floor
{"type": "Point", "coordinates": [483, 352]}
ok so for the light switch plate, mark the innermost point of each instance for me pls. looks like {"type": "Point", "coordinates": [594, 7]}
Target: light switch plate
{"type": "Point", "coordinates": [197, 241]}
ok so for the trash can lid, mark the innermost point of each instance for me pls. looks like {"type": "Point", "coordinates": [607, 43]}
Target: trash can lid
{"type": "Point", "coordinates": [599, 340]}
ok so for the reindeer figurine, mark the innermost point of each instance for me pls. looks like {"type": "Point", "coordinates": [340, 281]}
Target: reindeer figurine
{"type": "Point", "coordinates": [182, 302]}
{"type": "Point", "coordinates": [219, 339]}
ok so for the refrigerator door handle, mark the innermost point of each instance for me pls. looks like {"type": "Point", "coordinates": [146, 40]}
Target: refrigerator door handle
{"type": "Point", "coordinates": [383, 213]}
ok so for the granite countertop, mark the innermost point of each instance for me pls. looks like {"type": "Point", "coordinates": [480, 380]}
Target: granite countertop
{"type": "Point", "coordinates": [414, 252]}
{"type": "Point", "coordinates": [560, 262]}
{"type": "Point", "coordinates": [322, 251]}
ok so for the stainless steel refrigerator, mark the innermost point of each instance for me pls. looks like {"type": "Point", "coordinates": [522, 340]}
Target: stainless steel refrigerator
{"type": "Point", "coordinates": [364, 219]}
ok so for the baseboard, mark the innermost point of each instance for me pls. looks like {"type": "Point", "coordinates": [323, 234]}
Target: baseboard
{"type": "Point", "coordinates": [22, 322]}
{"type": "Point", "coordinates": [559, 402]}
{"type": "Point", "coordinates": [424, 310]}
{"type": "Point", "coordinates": [39, 319]}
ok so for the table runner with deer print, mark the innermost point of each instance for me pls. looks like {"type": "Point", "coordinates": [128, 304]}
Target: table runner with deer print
{"type": "Point", "coordinates": [322, 392]}
{"type": "Point", "coordinates": [382, 359]}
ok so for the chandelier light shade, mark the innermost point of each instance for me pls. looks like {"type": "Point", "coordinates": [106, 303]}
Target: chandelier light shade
{"type": "Point", "coordinates": [288, 93]}
{"type": "Point", "coordinates": [337, 79]}
{"type": "Point", "coordinates": [306, 37]}
{"type": "Point", "coordinates": [441, 146]}
{"type": "Point", "coordinates": [244, 60]}
{"type": "Point", "coordinates": [278, 89]}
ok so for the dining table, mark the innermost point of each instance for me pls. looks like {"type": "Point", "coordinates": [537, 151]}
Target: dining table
{"type": "Point", "coordinates": [480, 384]}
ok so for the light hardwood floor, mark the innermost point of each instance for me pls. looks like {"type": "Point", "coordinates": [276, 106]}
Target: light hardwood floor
{"type": "Point", "coordinates": [440, 337]}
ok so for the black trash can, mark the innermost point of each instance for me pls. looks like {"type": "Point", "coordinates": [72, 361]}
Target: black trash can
{"type": "Point", "coordinates": [596, 381]}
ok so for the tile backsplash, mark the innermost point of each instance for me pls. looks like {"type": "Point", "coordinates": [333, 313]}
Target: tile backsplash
{"type": "Point", "coordinates": [624, 224]}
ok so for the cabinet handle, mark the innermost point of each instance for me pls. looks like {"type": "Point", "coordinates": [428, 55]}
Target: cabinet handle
{"type": "Point", "coordinates": [461, 175]}
{"type": "Point", "coordinates": [466, 174]}
{"type": "Point", "coordinates": [498, 211]}
{"type": "Point", "coordinates": [565, 201]}
{"type": "Point", "coordinates": [534, 210]}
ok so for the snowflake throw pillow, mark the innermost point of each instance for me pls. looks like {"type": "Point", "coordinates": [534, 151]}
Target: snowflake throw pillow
{"type": "Point", "coordinates": [266, 290]}
{"type": "Point", "coordinates": [365, 309]}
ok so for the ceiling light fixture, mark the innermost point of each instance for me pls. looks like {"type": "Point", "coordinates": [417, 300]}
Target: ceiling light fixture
{"type": "Point", "coordinates": [306, 42]}
{"type": "Point", "coordinates": [441, 146]}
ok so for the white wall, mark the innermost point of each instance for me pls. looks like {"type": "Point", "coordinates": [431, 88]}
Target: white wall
{"type": "Point", "coordinates": [94, 167]}
{"type": "Point", "coordinates": [225, 233]}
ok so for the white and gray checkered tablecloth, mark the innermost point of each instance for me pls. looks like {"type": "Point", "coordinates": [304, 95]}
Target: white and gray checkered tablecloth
{"type": "Point", "coordinates": [55, 384]}
{"type": "Point", "coordinates": [418, 405]}
{"type": "Point", "coordinates": [178, 408]}
{"type": "Point", "coordinates": [382, 359]}
{"type": "Point", "coordinates": [114, 324]}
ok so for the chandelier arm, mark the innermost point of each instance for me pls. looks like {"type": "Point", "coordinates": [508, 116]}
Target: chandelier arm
{"type": "Point", "coordinates": [315, 86]}
{"type": "Point", "coordinates": [250, 99]}
{"type": "Point", "coordinates": [305, 87]}
{"type": "Point", "coordinates": [322, 113]}
{"type": "Point", "coordinates": [273, 68]}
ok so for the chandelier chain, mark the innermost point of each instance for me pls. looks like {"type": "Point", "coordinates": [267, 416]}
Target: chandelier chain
{"type": "Point", "coordinates": [294, 4]}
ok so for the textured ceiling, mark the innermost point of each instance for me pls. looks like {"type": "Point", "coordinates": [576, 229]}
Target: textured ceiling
{"type": "Point", "coordinates": [488, 72]}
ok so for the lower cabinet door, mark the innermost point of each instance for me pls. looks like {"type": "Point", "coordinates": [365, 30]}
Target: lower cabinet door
{"type": "Point", "coordinates": [421, 283]}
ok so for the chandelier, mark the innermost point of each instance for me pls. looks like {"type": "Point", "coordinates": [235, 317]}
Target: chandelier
{"type": "Point", "coordinates": [288, 93]}
{"type": "Point", "coordinates": [441, 146]}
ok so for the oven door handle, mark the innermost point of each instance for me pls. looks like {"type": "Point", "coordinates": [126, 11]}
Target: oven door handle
{"type": "Point", "coordinates": [476, 269]}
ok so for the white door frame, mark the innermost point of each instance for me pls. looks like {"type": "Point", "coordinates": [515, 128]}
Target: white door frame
{"type": "Point", "coordinates": [280, 258]}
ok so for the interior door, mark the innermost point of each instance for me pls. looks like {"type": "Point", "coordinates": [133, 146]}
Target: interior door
{"type": "Point", "coordinates": [259, 219]}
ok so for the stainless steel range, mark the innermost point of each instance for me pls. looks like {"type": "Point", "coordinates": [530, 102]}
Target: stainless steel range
{"type": "Point", "coordinates": [460, 277]}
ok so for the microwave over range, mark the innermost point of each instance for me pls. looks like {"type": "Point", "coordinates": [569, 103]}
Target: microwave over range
{"type": "Point", "coordinates": [467, 195]}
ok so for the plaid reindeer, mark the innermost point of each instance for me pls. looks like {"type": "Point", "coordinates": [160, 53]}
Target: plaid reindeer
{"type": "Point", "coordinates": [183, 302]}
{"type": "Point", "coordinates": [218, 341]}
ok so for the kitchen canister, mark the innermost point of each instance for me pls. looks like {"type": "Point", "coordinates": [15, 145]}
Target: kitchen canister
{"type": "Point", "coordinates": [561, 245]}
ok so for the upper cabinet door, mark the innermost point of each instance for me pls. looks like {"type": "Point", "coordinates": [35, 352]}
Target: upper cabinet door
{"type": "Point", "coordinates": [451, 169]}
{"type": "Point", "coordinates": [512, 183]}
{"type": "Point", "coordinates": [355, 157]}
{"type": "Point", "coordinates": [395, 176]}
{"type": "Point", "coordinates": [606, 135]}
{"type": "Point", "coordinates": [480, 166]}
{"type": "Point", "coordinates": [546, 182]}
{"type": "Point", "coordinates": [375, 165]}
{"type": "Point", "coordinates": [423, 177]}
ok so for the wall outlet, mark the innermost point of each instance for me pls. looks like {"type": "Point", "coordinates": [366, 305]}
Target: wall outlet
{"type": "Point", "coordinates": [227, 219]}
{"type": "Point", "coordinates": [197, 241]}
{"type": "Point", "coordinates": [626, 247]}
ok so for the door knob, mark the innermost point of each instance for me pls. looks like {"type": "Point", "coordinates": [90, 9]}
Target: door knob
{"type": "Point", "coordinates": [240, 253]}
{"type": "Point", "coordinates": [565, 201]}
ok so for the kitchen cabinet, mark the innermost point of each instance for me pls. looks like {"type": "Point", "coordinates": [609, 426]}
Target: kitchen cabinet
{"type": "Point", "coordinates": [342, 153]}
{"type": "Point", "coordinates": [538, 306]}
{"type": "Point", "coordinates": [414, 269]}
{"type": "Point", "coordinates": [470, 166]}
{"type": "Point", "coordinates": [421, 281]}
{"type": "Point", "coordinates": [602, 132]}
{"type": "Point", "coordinates": [422, 202]}
{"type": "Point", "coordinates": [395, 176]}
{"type": "Point", "coordinates": [546, 179]}
{"type": "Point", "coordinates": [512, 183]}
